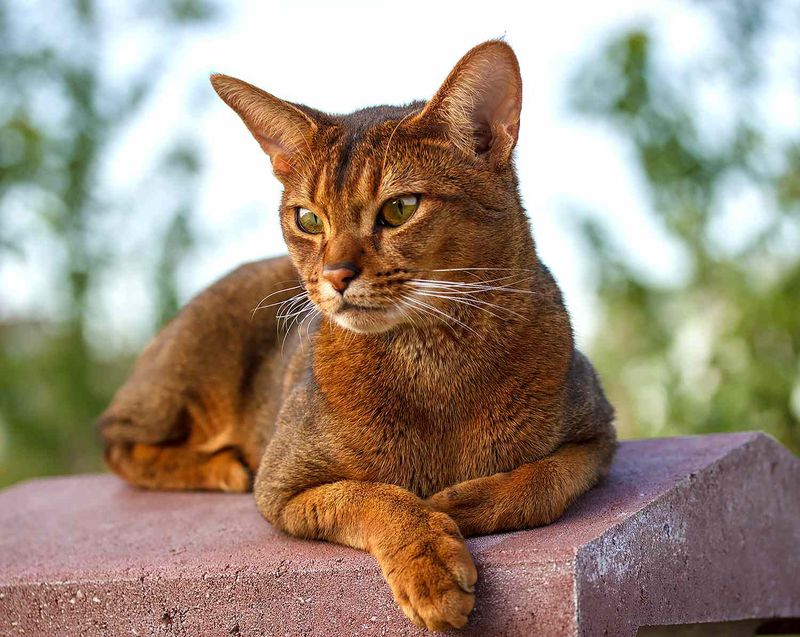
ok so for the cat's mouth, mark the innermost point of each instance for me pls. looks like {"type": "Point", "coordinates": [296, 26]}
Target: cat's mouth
{"type": "Point", "coordinates": [347, 306]}
{"type": "Point", "coordinates": [364, 318]}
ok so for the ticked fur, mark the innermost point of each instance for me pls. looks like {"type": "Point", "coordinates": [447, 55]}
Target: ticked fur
{"type": "Point", "coordinates": [439, 395]}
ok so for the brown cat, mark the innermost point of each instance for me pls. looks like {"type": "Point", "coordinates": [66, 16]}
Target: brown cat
{"type": "Point", "coordinates": [427, 387]}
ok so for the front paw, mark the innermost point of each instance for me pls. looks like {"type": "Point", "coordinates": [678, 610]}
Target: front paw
{"type": "Point", "coordinates": [433, 577]}
{"type": "Point", "coordinates": [469, 505]}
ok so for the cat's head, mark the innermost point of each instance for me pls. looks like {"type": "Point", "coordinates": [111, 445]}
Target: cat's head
{"type": "Point", "coordinates": [382, 205]}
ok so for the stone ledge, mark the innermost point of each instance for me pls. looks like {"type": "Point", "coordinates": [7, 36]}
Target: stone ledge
{"type": "Point", "coordinates": [697, 529]}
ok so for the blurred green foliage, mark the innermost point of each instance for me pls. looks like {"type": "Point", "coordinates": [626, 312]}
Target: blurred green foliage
{"type": "Point", "coordinates": [718, 348]}
{"type": "Point", "coordinates": [61, 110]}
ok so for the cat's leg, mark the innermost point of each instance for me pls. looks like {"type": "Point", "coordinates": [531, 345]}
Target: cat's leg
{"type": "Point", "coordinates": [420, 552]}
{"type": "Point", "coordinates": [531, 495]}
{"type": "Point", "coordinates": [178, 467]}
{"type": "Point", "coordinates": [191, 448]}
{"type": "Point", "coordinates": [186, 418]}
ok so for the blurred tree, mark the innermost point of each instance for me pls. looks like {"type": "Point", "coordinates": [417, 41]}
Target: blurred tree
{"type": "Point", "coordinates": [61, 111]}
{"type": "Point", "coordinates": [717, 348]}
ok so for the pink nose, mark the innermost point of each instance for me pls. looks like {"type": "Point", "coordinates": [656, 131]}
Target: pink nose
{"type": "Point", "coordinates": [340, 274]}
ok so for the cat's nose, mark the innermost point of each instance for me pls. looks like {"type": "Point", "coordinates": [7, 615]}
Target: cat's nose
{"type": "Point", "coordinates": [340, 274]}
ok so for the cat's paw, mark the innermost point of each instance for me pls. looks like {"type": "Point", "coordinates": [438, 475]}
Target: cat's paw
{"type": "Point", "coordinates": [433, 576]}
{"type": "Point", "coordinates": [469, 505]}
{"type": "Point", "coordinates": [497, 503]}
{"type": "Point", "coordinates": [177, 467]}
{"type": "Point", "coordinates": [225, 472]}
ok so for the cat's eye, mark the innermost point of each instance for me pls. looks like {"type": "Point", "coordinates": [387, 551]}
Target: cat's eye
{"type": "Point", "coordinates": [307, 221]}
{"type": "Point", "coordinates": [399, 210]}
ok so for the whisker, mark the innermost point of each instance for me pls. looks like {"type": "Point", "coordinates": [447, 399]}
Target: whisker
{"type": "Point", "coordinates": [474, 303]}
{"type": "Point", "coordinates": [440, 312]}
{"type": "Point", "coordinates": [307, 307]}
{"type": "Point", "coordinates": [463, 302]}
{"type": "Point", "coordinates": [294, 308]}
{"type": "Point", "coordinates": [313, 311]}
{"type": "Point", "coordinates": [415, 311]}
{"type": "Point", "coordinates": [478, 281]}
{"type": "Point", "coordinates": [312, 315]}
{"type": "Point", "coordinates": [424, 311]}
{"type": "Point", "coordinates": [294, 287]}
{"type": "Point", "coordinates": [406, 302]}
{"type": "Point", "coordinates": [406, 314]}
{"type": "Point", "coordinates": [286, 310]}
{"type": "Point", "coordinates": [486, 269]}
{"type": "Point", "coordinates": [468, 288]}
{"type": "Point", "coordinates": [259, 306]}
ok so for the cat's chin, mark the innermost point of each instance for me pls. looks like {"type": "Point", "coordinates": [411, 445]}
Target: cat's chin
{"type": "Point", "coordinates": [367, 321]}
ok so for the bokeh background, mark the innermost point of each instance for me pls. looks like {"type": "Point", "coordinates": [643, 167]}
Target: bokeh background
{"type": "Point", "coordinates": [659, 157]}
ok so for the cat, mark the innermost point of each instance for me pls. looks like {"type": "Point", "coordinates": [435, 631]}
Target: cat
{"type": "Point", "coordinates": [427, 388]}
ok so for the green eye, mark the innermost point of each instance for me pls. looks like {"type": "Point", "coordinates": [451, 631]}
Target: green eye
{"type": "Point", "coordinates": [397, 211]}
{"type": "Point", "coordinates": [307, 221]}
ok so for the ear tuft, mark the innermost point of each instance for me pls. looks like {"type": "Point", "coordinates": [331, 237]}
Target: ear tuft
{"type": "Point", "coordinates": [480, 102]}
{"type": "Point", "coordinates": [282, 130]}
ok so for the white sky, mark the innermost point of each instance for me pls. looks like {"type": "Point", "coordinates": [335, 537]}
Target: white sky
{"type": "Point", "coordinates": [339, 56]}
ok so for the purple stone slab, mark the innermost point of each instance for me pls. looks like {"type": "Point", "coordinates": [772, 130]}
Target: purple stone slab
{"type": "Point", "coordinates": [695, 529]}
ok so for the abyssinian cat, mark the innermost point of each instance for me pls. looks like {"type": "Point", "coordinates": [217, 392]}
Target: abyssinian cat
{"type": "Point", "coordinates": [427, 388]}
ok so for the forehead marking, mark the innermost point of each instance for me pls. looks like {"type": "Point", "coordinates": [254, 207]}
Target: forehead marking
{"type": "Point", "coordinates": [348, 144]}
{"type": "Point", "coordinates": [321, 183]}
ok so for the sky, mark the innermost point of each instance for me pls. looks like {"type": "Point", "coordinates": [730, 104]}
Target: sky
{"type": "Point", "coordinates": [340, 56]}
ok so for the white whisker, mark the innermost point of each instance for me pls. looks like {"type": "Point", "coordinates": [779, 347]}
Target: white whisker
{"type": "Point", "coordinates": [478, 282]}
{"type": "Point", "coordinates": [440, 312]}
{"type": "Point", "coordinates": [263, 307]}
{"type": "Point", "coordinates": [478, 304]}
{"type": "Point", "coordinates": [480, 269]}
{"type": "Point", "coordinates": [307, 307]}
{"type": "Point", "coordinates": [287, 310]}
{"type": "Point", "coordinates": [314, 312]}
{"type": "Point", "coordinates": [469, 288]}
{"type": "Point", "coordinates": [407, 302]}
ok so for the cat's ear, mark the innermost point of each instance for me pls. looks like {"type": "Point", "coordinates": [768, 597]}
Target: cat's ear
{"type": "Point", "coordinates": [282, 129]}
{"type": "Point", "coordinates": [480, 102]}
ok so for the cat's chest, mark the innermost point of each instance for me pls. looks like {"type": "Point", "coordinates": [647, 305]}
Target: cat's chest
{"type": "Point", "coordinates": [427, 425]}
{"type": "Point", "coordinates": [426, 456]}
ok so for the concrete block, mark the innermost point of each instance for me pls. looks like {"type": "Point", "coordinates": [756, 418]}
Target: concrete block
{"type": "Point", "coordinates": [685, 530]}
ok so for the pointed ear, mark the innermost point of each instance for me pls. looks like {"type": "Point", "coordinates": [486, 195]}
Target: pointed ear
{"type": "Point", "coordinates": [480, 102]}
{"type": "Point", "coordinates": [282, 129]}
